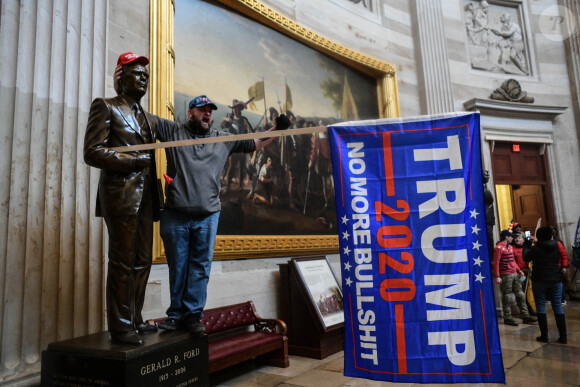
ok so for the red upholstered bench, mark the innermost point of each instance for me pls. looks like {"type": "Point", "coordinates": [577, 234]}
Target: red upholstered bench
{"type": "Point", "coordinates": [231, 342]}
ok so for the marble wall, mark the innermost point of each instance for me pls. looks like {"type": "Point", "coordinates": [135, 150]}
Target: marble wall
{"type": "Point", "coordinates": [51, 261]}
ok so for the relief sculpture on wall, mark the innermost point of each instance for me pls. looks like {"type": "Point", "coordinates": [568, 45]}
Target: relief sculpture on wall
{"type": "Point", "coordinates": [495, 38]}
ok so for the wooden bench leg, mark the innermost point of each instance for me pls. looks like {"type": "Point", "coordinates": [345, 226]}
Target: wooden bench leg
{"type": "Point", "coordinates": [277, 358]}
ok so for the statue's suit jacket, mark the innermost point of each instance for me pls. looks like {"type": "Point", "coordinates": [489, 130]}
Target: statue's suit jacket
{"type": "Point", "coordinates": [112, 124]}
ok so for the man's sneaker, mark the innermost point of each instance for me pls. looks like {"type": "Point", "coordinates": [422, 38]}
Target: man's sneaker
{"type": "Point", "coordinates": [564, 303]}
{"type": "Point", "coordinates": [529, 320]}
{"type": "Point", "coordinates": [509, 321]}
{"type": "Point", "coordinates": [169, 324]}
{"type": "Point", "coordinates": [196, 327]}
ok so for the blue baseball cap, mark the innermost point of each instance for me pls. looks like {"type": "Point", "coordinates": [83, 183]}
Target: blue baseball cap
{"type": "Point", "coordinates": [200, 101]}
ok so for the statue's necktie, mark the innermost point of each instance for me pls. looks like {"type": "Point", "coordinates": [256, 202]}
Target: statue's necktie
{"type": "Point", "coordinates": [140, 116]}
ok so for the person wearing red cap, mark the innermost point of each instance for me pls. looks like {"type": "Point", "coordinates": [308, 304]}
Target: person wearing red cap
{"type": "Point", "coordinates": [127, 196]}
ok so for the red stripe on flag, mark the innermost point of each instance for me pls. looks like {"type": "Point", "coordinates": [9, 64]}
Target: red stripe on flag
{"type": "Point", "coordinates": [485, 331]}
{"type": "Point", "coordinates": [388, 156]}
{"type": "Point", "coordinates": [401, 344]}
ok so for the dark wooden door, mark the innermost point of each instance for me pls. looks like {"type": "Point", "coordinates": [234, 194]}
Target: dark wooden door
{"type": "Point", "coordinates": [524, 167]}
{"type": "Point", "coordinates": [527, 174]}
{"type": "Point", "coordinates": [528, 202]}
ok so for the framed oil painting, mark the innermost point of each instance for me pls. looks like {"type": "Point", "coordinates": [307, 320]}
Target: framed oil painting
{"type": "Point", "coordinates": [319, 282]}
{"type": "Point", "coordinates": [255, 64]}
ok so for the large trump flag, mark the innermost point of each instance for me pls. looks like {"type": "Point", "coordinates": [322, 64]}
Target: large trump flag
{"type": "Point", "coordinates": [418, 292]}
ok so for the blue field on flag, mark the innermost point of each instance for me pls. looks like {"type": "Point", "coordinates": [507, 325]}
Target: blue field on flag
{"type": "Point", "coordinates": [418, 291]}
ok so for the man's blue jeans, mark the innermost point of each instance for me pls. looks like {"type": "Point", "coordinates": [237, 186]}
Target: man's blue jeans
{"type": "Point", "coordinates": [188, 242]}
{"type": "Point", "coordinates": [542, 291]}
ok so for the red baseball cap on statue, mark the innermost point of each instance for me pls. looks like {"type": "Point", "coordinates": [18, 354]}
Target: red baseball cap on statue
{"type": "Point", "coordinates": [129, 57]}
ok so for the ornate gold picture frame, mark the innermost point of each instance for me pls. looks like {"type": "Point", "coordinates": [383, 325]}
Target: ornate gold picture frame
{"type": "Point", "coordinates": [162, 103]}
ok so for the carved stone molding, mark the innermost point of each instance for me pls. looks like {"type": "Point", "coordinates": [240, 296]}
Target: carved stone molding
{"type": "Point", "coordinates": [514, 109]}
{"type": "Point", "coordinates": [511, 90]}
{"type": "Point", "coordinates": [498, 36]}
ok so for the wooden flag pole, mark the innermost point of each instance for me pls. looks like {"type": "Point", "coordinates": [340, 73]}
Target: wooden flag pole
{"type": "Point", "coordinates": [212, 140]}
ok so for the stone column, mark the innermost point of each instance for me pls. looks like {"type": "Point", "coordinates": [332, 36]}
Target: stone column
{"type": "Point", "coordinates": [572, 43]}
{"type": "Point", "coordinates": [435, 62]}
{"type": "Point", "coordinates": [52, 61]}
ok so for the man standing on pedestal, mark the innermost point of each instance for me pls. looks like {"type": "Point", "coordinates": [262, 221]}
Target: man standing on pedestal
{"type": "Point", "coordinates": [127, 196]}
{"type": "Point", "coordinates": [189, 220]}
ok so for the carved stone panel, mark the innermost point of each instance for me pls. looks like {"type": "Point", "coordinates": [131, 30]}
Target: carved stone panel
{"type": "Point", "coordinates": [498, 37]}
{"type": "Point", "coordinates": [368, 9]}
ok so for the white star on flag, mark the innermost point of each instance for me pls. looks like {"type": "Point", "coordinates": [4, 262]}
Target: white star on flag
{"type": "Point", "coordinates": [345, 235]}
{"type": "Point", "coordinates": [344, 220]}
{"type": "Point", "coordinates": [476, 245]}
{"type": "Point", "coordinates": [474, 213]}
{"type": "Point", "coordinates": [348, 281]}
{"type": "Point", "coordinates": [346, 250]}
{"type": "Point", "coordinates": [479, 277]}
{"type": "Point", "coordinates": [475, 230]}
{"type": "Point", "coordinates": [477, 261]}
{"type": "Point", "coordinates": [347, 266]}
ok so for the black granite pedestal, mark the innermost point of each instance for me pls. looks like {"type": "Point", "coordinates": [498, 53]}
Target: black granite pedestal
{"type": "Point", "coordinates": [174, 359]}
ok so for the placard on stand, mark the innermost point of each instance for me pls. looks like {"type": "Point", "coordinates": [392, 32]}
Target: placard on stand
{"type": "Point", "coordinates": [312, 307]}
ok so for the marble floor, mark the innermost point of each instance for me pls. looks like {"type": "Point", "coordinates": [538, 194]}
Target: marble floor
{"type": "Point", "coordinates": [527, 362]}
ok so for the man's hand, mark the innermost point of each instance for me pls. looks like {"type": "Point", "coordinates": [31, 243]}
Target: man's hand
{"type": "Point", "coordinates": [498, 280]}
{"type": "Point", "coordinates": [117, 78]}
{"type": "Point", "coordinates": [282, 122]}
{"type": "Point", "coordinates": [142, 161]}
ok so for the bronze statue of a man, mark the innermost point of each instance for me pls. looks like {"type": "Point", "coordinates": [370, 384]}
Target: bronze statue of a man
{"type": "Point", "coordinates": [127, 196]}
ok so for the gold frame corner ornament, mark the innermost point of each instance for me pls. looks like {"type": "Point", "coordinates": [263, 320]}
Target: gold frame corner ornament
{"type": "Point", "coordinates": [161, 102]}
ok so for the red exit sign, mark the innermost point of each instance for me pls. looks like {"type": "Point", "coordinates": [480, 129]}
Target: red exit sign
{"type": "Point", "coordinates": [516, 147]}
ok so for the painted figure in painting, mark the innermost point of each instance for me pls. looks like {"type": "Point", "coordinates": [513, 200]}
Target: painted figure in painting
{"type": "Point", "coordinates": [237, 123]}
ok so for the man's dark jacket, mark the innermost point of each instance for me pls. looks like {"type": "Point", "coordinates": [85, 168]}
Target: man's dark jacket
{"type": "Point", "coordinates": [112, 124]}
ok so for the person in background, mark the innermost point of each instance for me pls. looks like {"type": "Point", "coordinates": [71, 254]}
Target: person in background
{"type": "Point", "coordinates": [506, 274]}
{"type": "Point", "coordinates": [563, 263]}
{"type": "Point", "coordinates": [547, 282]}
{"type": "Point", "coordinates": [518, 247]}
{"type": "Point", "coordinates": [517, 228]}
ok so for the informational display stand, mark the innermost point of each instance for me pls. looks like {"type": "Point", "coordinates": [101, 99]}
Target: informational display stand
{"type": "Point", "coordinates": [312, 307]}
{"type": "Point", "coordinates": [166, 359]}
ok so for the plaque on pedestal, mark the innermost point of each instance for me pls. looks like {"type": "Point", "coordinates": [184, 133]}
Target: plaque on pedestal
{"type": "Point", "coordinates": [312, 307]}
{"type": "Point", "coordinates": [166, 359]}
